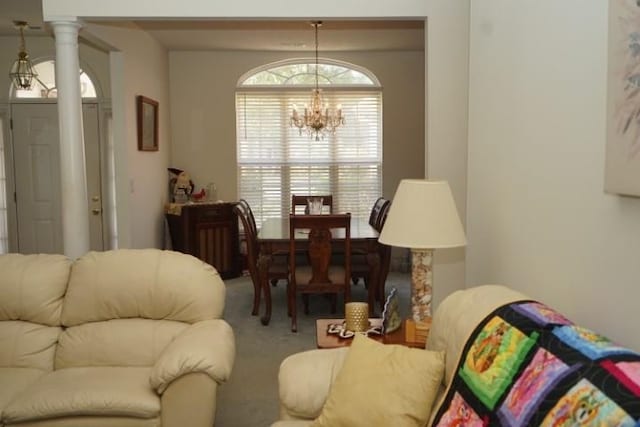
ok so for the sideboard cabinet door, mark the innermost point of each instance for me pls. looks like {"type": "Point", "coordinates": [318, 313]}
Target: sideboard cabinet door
{"type": "Point", "coordinates": [208, 232]}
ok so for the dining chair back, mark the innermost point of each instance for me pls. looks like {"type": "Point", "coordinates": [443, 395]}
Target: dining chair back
{"type": "Point", "coordinates": [324, 233]}
{"type": "Point", "coordinates": [277, 269]}
{"type": "Point", "coordinates": [303, 200]}
{"type": "Point", "coordinates": [379, 208]}
{"type": "Point", "coordinates": [252, 220]}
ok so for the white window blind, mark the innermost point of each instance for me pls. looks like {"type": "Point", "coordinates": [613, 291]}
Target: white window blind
{"type": "Point", "coordinates": [275, 161]}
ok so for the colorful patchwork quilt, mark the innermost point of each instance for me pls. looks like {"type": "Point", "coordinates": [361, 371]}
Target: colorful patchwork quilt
{"type": "Point", "coordinates": [527, 365]}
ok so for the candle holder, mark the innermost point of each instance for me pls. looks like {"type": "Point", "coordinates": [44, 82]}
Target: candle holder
{"type": "Point", "coordinates": [356, 316]}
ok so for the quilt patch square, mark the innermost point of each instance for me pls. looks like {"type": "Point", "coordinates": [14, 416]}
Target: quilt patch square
{"type": "Point", "coordinates": [541, 314]}
{"type": "Point", "coordinates": [460, 413]}
{"type": "Point", "coordinates": [585, 404]}
{"type": "Point", "coordinates": [494, 358]}
{"type": "Point", "coordinates": [589, 343]}
{"type": "Point", "coordinates": [540, 376]}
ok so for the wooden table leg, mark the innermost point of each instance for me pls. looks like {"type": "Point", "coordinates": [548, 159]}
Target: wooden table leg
{"type": "Point", "coordinates": [264, 261]}
{"type": "Point", "coordinates": [373, 261]}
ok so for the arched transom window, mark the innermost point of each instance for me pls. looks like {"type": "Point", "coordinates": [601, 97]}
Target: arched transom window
{"type": "Point", "coordinates": [303, 74]}
{"type": "Point", "coordinates": [275, 160]}
{"type": "Point", "coordinates": [44, 86]}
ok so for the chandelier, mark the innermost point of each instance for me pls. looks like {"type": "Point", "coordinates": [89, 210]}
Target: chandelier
{"type": "Point", "coordinates": [22, 72]}
{"type": "Point", "coordinates": [318, 119]}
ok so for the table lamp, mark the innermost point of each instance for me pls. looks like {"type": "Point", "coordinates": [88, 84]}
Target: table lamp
{"type": "Point", "coordinates": [422, 217]}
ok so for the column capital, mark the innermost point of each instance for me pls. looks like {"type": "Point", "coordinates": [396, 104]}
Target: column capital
{"type": "Point", "coordinates": [69, 25]}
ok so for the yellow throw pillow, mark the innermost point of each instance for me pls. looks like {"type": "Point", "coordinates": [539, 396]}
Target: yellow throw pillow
{"type": "Point", "coordinates": [383, 385]}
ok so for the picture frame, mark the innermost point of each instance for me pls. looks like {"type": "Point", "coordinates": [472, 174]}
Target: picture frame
{"type": "Point", "coordinates": [147, 118]}
{"type": "Point", "coordinates": [622, 164]}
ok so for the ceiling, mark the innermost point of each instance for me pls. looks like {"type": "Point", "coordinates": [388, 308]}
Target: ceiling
{"type": "Point", "coordinates": [337, 35]}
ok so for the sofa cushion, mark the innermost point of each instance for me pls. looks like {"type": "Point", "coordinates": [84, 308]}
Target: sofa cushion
{"type": "Point", "coordinates": [69, 392]}
{"type": "Point", "coordinates": [27, 345]}
{"type": "Point", "coordinates": [383, 385]}
{"type": "Point", "coordinates": [32, 287]}
{"type": "Point", "coordinates": [13, 381]}
{"type": "Point", "coordinates": [147, 283]}
{"type": "Point", "coordinates": [119, 342]}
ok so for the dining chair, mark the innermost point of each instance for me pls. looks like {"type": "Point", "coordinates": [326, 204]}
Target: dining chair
{"type": "Point", "coordinates": [359, 265]}
{"type": "Point", "coordinates": [299, 200]}
{"type": "Point", "coordinates": [252, 223]}
{"type": "Point", "coordinates": [320, 276]}
{"type": "Point", "coordinates": [278, 269]}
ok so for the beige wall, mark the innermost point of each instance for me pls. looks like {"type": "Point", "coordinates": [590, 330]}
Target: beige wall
{"type": "Point", "coordinates": [138, 66]}
{"type": "Point", "coordinates": [447, 41]}
{"type": "Point", "coordinates": [203, 118]}
{"type": "Point", "coordinates": [538, 218]}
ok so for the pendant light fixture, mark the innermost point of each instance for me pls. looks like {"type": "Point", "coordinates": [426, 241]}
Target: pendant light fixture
{"type": "Point", "coordinates": [318, 119]}
{"type": "Point", "coordinates": [22, 72]}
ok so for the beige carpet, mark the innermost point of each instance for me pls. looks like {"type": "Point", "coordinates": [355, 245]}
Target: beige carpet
{"type": "Point", "coordinates": [250, 397]}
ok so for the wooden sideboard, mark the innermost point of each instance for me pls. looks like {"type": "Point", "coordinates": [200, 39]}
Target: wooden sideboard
{"type": "Point", "coordinates": [208, 231]}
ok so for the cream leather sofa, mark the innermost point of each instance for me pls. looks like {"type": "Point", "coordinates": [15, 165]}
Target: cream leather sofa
{"type": "Point", "coordinates": [118, 338]}
{"type": "Point", "coordinates": [305, 378]}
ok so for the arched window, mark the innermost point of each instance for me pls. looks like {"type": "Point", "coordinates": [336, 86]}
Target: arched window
{"type": "Point", "coordinates": [275, 160]}
{"type": "Point", "coordinates": [296, 74]}
{"type": "Point", "coordinates": [44, 86]}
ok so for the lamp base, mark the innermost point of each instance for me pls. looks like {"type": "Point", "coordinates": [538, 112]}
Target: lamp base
{"type": "Point", "coordinates": [421, 283]}
{"type": "Point", "coordinates": [416, 332]}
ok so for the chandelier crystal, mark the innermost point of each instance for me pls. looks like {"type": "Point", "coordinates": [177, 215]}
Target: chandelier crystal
{"type": "Point", "coordinates": [318, 119]}
{"type": "Point", "coordinates": [22, 72]}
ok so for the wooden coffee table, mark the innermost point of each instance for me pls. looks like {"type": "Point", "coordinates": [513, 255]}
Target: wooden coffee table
{"type": "Point", "coordinates": [326, 340]}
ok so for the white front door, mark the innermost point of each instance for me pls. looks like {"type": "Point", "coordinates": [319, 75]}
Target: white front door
{"type": "Point", "coordinates": [37, 176]}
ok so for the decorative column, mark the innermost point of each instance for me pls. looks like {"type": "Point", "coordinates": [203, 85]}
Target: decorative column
{"type": "Point", "coordinates": [75, 209]}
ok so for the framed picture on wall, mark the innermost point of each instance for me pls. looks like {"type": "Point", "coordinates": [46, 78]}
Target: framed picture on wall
{"type": "Point", "coordinates": [622, 167]}
{"type": "Point", "coordinates": [147, 118]}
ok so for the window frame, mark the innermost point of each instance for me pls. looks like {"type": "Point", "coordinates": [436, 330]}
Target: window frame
{"type": "Point", "coordinates": [282, 170]}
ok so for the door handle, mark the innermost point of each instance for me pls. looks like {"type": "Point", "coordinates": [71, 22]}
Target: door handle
{"type": "Point", "coordinates": [96, 211]}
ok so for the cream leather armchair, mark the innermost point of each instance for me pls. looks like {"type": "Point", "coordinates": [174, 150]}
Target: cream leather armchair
{"type": "Point", "coordinates": [118, 338]}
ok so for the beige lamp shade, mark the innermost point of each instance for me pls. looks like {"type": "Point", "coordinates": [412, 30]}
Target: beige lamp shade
{"type": "Point", "coordinates": [423, 215]}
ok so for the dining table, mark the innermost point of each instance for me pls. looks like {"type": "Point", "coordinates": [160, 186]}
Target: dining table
{"type": "Point", "coordinates": [273, 238]}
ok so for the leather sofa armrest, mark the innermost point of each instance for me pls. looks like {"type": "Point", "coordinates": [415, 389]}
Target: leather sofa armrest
{"type": "Point", "coordinates": [305, 379]}
{"type": "Point", "coordinates": [207, 346]}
